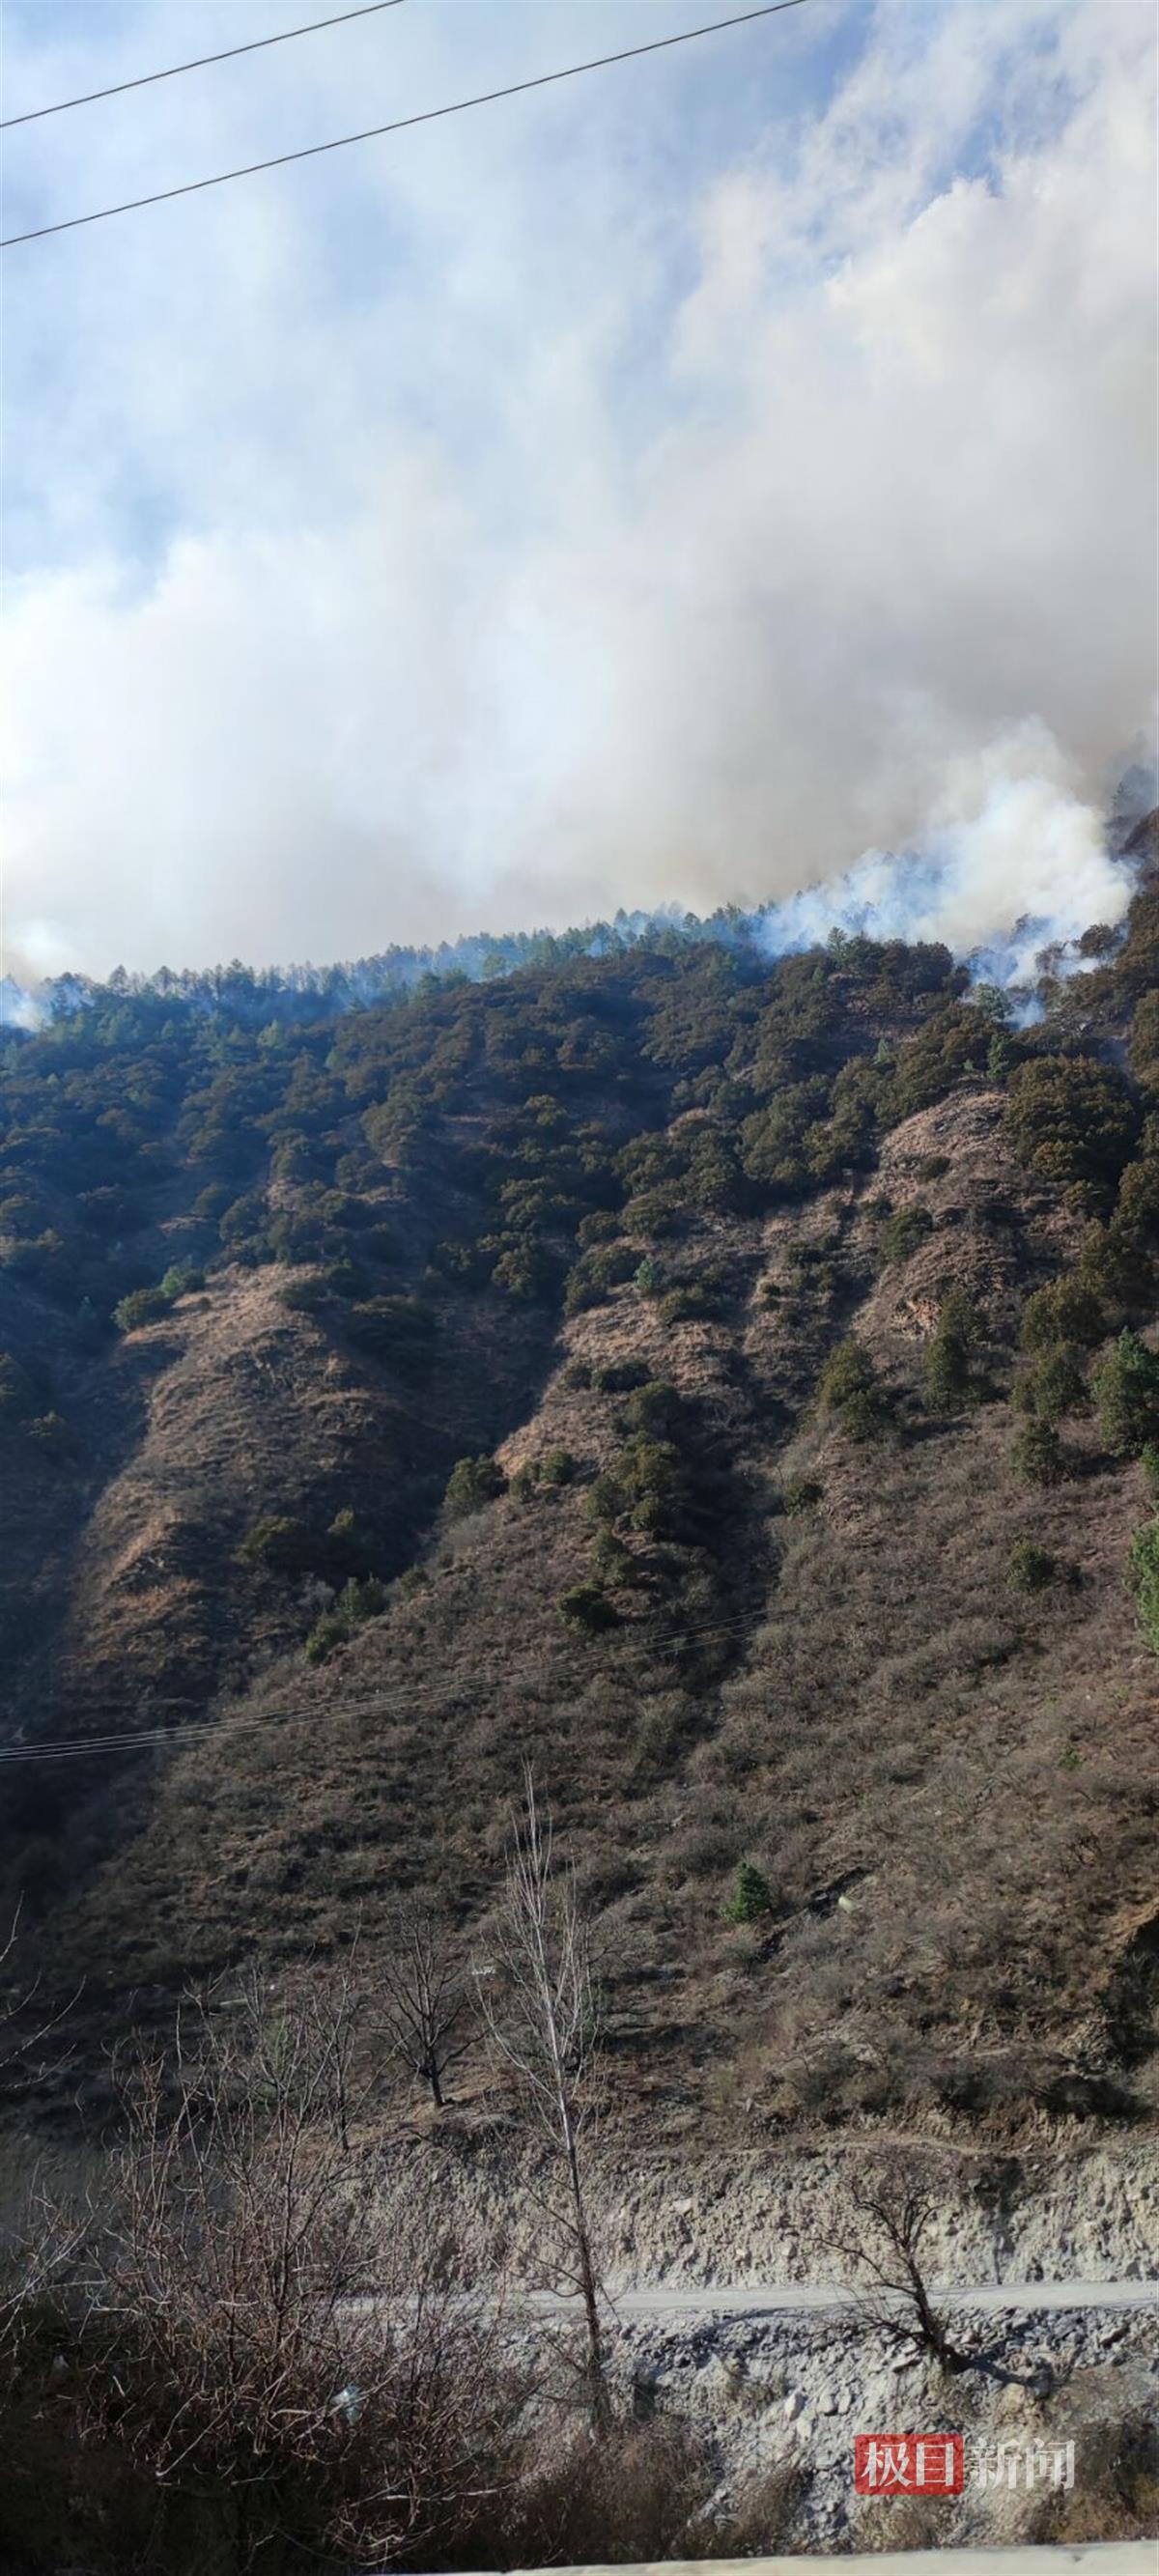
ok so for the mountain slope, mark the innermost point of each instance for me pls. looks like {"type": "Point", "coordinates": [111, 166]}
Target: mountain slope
{"type": "Point", "coordinates": [725, 1272]}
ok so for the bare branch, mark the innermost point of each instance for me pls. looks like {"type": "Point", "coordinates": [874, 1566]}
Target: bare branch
{"type": "Point", "coordinates": [881, 2236]}
{"type": "Point", "coordinates": [422, 1996]}
{"type": "Point", "coordinates": [541, 2013]}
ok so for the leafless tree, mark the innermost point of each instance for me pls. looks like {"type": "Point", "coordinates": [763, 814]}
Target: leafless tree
{"type": "Point", "coordinates": [31, 2034]}
{"type": "Point", "coordinates": [38, 2243]}
{"type": "Point", "coordinates": [541, 2012]}
{"type": "Point", "coordinates": [882, 2236]}
{"type": "Point", "coordinates": [275, 2331]}
{"type": "Point", "coordinates": [422, 1996]}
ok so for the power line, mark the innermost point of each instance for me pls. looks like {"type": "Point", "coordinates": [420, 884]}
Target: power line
{"type": "Point", "coordinates": [366, 1704]}
{"type": "Point", "coordinates": [399, 124]}
{"type": "Point", "coordinates": [369, 9]}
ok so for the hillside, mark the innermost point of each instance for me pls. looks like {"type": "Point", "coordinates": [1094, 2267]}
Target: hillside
{"type": "Point", "coordinates": [777, 1308]}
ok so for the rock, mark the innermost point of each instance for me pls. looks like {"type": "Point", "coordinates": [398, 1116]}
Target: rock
{"type": "Point", "coordinates": [794, 2405]}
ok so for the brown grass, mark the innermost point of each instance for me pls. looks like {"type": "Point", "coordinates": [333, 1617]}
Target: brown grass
{"type": "Point", "coordinates": [938, 1776]}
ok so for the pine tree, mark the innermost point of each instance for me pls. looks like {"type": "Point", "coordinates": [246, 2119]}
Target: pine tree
{"type": "Point", "coordinates": [751, 1897]}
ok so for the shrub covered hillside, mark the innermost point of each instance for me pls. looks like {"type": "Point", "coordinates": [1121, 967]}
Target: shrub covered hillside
{"type": "Point", "coordinates": [731, 1385]}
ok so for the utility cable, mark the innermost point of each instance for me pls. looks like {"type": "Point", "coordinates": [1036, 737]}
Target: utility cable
{"type": "Point", "coordinates": [400, 124]}
{"type": "Point", "coordinates": [377, 1704]}
{"type": "Point", "coordinates": [257, 45]}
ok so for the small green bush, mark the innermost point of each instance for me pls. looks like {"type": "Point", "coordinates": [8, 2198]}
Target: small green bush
{"type": "Point", "coordinates": [279, 1542]}
{"type": "Point", "coordinates": [751, 1898]}
{"type": "Point", "coordinates": [327, 1633]}
{"type": "Point", "coordinates": [141, 1306]}
{"type": "Point", "coordinates": [612, 1562]}
{"type": "Point", "coordinates": [463, 1262]}
{"type": "Point", "coordinates": [1055, 1386]}
{"type": "Point", "coordinates": [357, 1602]}
{"type": "Point", "coordinates": [361, 1599]}
{"type": "Point", "coordinates": [1039, 1457]}
{"type": "Point", "coordinates": [557, 1467]}
{"type": "Point", "coordinates": [903, 1233]}
{"type": "Point", "coordinates": [304, 1296]}
{"type": "Point", "coordinates": [585, 1606]}
{"type": "Point", "coordinates": [348, 1548]}
{"type": "Point", "coordinates": [472, 1483]}
{"type": "Point", "coordinates": [656, 1409]}
{"type": "Point", "coordinates": [1126, 1388]}
{"type": "Point", "coordinates": [684, 1305]}
{"type": "Point", "coordinates": [801, 1494]}
{"type": "Point", "coordinates": [1030, 1566]}
{"type": "Point", "coordinates": [1066, 1310]}
{"type": "Point", "coordinates": [180, 1280]}
{"type": "Point", "coordinates": [606, 1498]}
{"type": "Point", "coordinates": [602, 1226]}
{"type": "Point", "coordinates": [848, 1389]}
{"type": "Point", "coordinates": [399, 1330]}
{"type": "Point", "coordinates": [617, 1377]}
{"type": "Point", "coordinates": [948, 1381]}
{"type": "Point", "coordinates": [604, 1267]}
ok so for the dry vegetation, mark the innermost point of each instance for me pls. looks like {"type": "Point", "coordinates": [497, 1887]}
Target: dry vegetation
{"type": "Point", "coordinates": [735, 1576]}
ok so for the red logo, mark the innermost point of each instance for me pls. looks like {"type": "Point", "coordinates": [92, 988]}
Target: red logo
{"type": "Point", "coordinates": [908, 2464]}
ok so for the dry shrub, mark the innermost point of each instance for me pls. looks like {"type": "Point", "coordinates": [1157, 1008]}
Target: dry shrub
{"type": "Point", "coordinates": [906, 2522]}
{"type": "Point", "coordinates": [254, 2364]}
{"type": "Point", "coordinates": [765, 2518]}
{"type": "Point", "coordinates": [628, 2496]}
{"type": "Point", "coordinates": [1116, 2491]}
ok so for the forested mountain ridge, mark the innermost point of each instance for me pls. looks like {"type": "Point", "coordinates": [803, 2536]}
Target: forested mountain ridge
{"type": "Point", "coordinates": [728, 1384]}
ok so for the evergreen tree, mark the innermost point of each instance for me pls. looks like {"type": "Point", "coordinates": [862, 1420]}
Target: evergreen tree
{"type": "Point", "coordinates": [948, 1368]}
{"type": "Point", "coordinates": [1126, 1384]}
{"type": "Point", "coordinates": [751, 1897]}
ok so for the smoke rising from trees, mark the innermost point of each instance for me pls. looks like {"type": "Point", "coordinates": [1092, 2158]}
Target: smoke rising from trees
{"type": "Point", "coordinates": [699, 535]}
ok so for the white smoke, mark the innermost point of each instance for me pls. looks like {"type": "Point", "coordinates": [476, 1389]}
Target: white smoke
{"type": "Point", "coordinates": [1012, 863]}
{"type": "Point", "coordinates": [647, 526]}
{"type": "Point", "coordinates": [1012, 871]}
{"type": "Point", "coordinates": [20, 1007]}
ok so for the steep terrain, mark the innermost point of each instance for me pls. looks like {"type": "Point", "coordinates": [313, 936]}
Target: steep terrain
{"type": "Point", "coordinates": [794, 1325]}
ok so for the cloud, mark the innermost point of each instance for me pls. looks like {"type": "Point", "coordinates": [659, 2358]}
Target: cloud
{"type": "Point", "coordinates": [639, 520]}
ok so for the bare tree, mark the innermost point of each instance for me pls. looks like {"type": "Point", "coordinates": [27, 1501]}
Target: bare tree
{"type": "Point", "coordinates": [543, 2022]}
{"type": "Point", "coordinates": [423, 1999]}
{"type": "Point", "coordinates": [26, 2026]}
{"type": "Point", "coordinates": [882, 2237]}
{"type": "Point", "coordinates": [38, 2244]}
{"type": "Point", "coordinates": [280, 2342]}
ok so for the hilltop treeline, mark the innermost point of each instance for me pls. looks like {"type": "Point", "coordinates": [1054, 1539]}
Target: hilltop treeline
{"type": "Point", "coordinates": [672, 1083]}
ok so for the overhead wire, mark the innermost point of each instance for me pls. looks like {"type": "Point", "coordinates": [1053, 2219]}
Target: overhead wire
{"type": "Point", "coordinates": [388, 1704]}
{"type": "Point", "coordinates": [142, 80]}
{"type": "Point", "coordinates": [400, 124]}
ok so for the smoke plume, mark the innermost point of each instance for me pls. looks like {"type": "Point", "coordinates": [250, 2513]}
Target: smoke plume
{"type": "Point", "coordinates": [592, 514]}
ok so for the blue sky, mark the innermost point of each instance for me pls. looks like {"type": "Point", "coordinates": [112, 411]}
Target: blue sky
{"type": "Point", "coordinates": [661, 487]}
